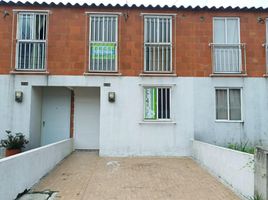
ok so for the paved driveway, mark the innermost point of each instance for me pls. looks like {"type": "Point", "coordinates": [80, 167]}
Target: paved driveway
{"type": "Point", "coordinates": [85, 176]}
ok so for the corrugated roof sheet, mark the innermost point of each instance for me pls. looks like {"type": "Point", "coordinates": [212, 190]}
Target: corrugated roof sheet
{"type": "Point", "coordinates": [157, 4]}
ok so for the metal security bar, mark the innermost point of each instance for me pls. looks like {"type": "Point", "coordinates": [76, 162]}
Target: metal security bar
{"type": "Point", "coordinates": [157, 103]}
{"type": "Point", "coordinates": [31, 41]}
{"type": "Point", "coordinates": [163, 102]}
{"type": "Point", "coordinates": [227, 58]}
{"type": "Point", "coordinates": [103, 43]}
{"type": "Point", "coordinates": [157, 43]}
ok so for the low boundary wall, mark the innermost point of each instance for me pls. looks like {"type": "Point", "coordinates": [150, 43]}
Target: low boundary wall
{"type": "Point", "coordinates": [22, 171]}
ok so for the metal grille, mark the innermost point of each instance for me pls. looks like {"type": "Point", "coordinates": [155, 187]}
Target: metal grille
{"type": "Point", "coordinates": [31, 41]}
{"type": "Point", "coordinates": [103, 43]}
{"type": "Point", "coordinates": [163, 102]}
{"type": "Point", "coordinates": [157, 43]}
{"type": "Point", "coordinates": [156, 103]}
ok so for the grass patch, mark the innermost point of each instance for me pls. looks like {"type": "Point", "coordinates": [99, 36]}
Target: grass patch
{"type": "Point", "coordinates": [243, 147]}
{"type": "Point", "coordinates": [256, 197]}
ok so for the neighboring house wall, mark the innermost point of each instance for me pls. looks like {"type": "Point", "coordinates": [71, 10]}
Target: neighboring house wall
{"type": "Point", "coordinates": [254, 127]}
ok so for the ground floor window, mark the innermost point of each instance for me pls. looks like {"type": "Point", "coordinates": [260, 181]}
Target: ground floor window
{"type": "Point", "coordinates": [228, 104]}
{"type": "Point", "coordinates": [157, 103]}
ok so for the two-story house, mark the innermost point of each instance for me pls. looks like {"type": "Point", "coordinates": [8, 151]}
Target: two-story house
{"type": "Point", "coordinates": [133, 80]}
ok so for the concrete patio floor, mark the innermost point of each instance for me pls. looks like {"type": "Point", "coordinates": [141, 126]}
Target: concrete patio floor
{"type": "Point", "coordinates": [85, 176]}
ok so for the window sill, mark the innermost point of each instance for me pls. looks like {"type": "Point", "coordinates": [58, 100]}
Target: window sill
{"type": "Point", "coordinates": [102, 74]}
{"type": "Point", "coordinates": [158, 74]}
{"type": "Point", "coordinates": [157, 122]}
{"type": "Point", "coordinates": [27, 72]}
{"type": "Point", "coordinates": [229, 121]}
{"type": "Point", "coordinates": [228, 75]}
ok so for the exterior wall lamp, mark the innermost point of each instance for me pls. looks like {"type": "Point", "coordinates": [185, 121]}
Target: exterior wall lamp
{"type": "Point", "coordinates": [18, 96]}
{"type": "Point", "coordinates": [111, 97]}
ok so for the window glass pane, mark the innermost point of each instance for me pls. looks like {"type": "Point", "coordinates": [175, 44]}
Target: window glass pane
{"type": "Point", "coordinates": [235, 104]}
{"type": "Point", "coordinates": [221, 104]}
{"type": "Point", "coordinates": [232, 31]}
{"type": "Point", "coordinates": [219, 31]}
{"type": "Point", "coordinates": [150, 103]}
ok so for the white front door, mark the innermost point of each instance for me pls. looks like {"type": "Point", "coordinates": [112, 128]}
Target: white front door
{"type": "Point", "coordinates": [86, 118]}
{"type": "Point", "coordinates": [55, 124]}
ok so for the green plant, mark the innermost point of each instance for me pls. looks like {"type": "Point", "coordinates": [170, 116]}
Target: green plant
{"type": "Point", "coordinates": [16, 141]}
{"type": "Point", "coordinates": [256, 197]}
{"type": "Point", "coordinates": [242, 147]}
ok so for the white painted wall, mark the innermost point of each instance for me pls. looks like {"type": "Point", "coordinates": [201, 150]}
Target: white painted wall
{"type": "Point", "coordinates": [22, 171]}
{"type": "Point", "coordinates": [56, 108]}
{"type": "Point", "coordinates": [193, 105]}
{"type": "Point", "coordinates": [6, 102]}
{"type": "Point", "coordinates": [36, 113]}
{"type": "Point", "coordinates": [234, 168]}
{"type": "Point", "coordinates": [87, 118]}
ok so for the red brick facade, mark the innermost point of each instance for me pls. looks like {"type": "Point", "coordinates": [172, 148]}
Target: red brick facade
{"type": "Point", "coordinates": [192, 32]}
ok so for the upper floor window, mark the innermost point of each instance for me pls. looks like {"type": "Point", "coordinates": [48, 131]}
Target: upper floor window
{"type": "Point", "coordinates": [227, 49]}
{"type": "Point", "coordinates": [228, 104]}
{"type": "Point", "coordinates": [157, 43]}
{"type": "Point", "coordinates": [31, 41]}
{"type": "Point", "coordinates": [103, 43]}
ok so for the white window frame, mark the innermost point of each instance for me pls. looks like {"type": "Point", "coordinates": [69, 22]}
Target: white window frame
{"type": "Point", "coordinates": [170, 119]}
{"type": "Point", "coordinates": [34, 12]}
{"type": "Point", "coordinates": [228, 104]}
{"type": "Point", "coordinates": [103, 14]}
{"type": "Point", "coordinates": [226, 44]}
{"type": "Point", "coordinates": [157, 16]}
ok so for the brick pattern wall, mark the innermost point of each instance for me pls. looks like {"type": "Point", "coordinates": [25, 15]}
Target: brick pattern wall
{"type": "Point", "coordinates": [192, 32]}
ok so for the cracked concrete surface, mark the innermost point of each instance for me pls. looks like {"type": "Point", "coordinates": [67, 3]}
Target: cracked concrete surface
{"type": "Point", "coordinates": [84, 175]}
{"type": "Point", "coordinates": [45, 195]}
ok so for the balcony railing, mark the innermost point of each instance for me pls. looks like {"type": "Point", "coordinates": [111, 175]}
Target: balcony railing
{"type": "Point", "coordinates": [228, 58]}
{"type": "Point", "coordinates": [31, 55]}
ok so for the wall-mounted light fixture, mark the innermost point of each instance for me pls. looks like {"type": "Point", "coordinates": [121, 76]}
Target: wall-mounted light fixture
{"type": "Point", "coordinates": [111, 97]}
{"type": "Point", "coordinates": [18, 96]}
{"type": "Point", "coordinates": [202, 18]}
{"type": "Point", "coordinates": [125, 16]}
{"type": "Point", "coordinates": [5, 13]}
{"type": "Point", "coordinates": [260, 20]}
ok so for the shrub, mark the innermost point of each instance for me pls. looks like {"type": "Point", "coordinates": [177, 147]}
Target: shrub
{"type": "Point", "coordinates": [16, 141]}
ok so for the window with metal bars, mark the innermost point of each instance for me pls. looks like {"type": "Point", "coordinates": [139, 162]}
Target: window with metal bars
{"type": "Point", "coordinates": [103, 43]}
{"type": "Point", "coordinates": [157, 43]}
{"type": "Point", "coordinates": [157, 103]}
{"type": "Point", "coordinates": [31, 41]}
{"type": "Point", "coordinates": [228, 104]}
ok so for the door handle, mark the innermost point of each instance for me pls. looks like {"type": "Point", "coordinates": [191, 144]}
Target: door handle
{"type": "Point", "coordinates": [44, 123]}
